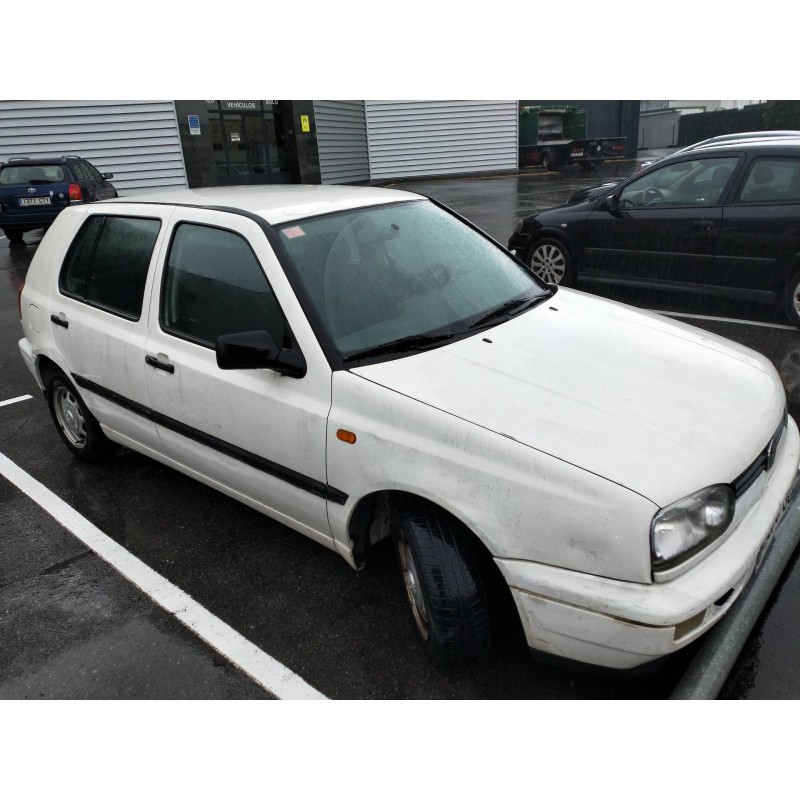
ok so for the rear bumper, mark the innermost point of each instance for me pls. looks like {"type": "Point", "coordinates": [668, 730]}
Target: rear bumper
{"type": "Point", "coordinates": [29, 222]}
{"type": "Point", "coordinates": [622, 625]}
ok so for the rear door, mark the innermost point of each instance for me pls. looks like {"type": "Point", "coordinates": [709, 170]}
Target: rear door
{"type": "Point", "coordinates": [761, 227]}
{"type": "Point", "coordinates": [99, 316]}
{"type": "Point", "coordinates": [666, 227]}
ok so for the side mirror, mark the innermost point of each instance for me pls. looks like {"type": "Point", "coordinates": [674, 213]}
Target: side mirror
{"type": "Point", "coordinates": [611, 203]}
{"type": "Point", "coordinates": [257, 350]}
{"type": "Point", "coordinates": [108, 175]}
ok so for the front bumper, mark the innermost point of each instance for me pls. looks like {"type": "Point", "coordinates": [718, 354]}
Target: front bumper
{"type": "Point", "coordinates": [623, 625]}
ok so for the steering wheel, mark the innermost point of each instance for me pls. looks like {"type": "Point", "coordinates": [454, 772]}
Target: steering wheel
{"type": "Point", "coordinates": [652, 196]}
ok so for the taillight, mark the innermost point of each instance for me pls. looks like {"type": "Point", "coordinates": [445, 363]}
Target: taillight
{"type": "Point", "coordinates": [75, 192]}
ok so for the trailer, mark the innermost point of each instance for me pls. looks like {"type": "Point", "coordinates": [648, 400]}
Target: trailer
{"type": "Point", "coordinates": [555, 137]}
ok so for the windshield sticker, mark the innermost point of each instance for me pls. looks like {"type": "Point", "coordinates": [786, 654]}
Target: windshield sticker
{"type": "Point", "coordinates": [293, 233]}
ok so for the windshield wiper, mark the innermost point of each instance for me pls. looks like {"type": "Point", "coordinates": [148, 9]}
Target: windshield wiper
{"type": "Point", "coordinates": [511, 307]}
{"type": "Point", "coordinates": [405, 344]}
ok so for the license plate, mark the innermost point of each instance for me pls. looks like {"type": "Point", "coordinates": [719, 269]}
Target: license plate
{"type": "Point", "coordinates": [34, 201]}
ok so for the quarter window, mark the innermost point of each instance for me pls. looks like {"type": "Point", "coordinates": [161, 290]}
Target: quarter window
{"type": "Point", "coordinates": [214, 285]}
{"type": "Point", "coordinates": [108, 261]}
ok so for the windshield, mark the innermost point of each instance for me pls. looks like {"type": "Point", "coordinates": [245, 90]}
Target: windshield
{"type": "Point", "coordinates": [403, 275]}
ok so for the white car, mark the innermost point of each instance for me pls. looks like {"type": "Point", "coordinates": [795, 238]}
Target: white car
{"type": "Point", "coordinates": [360, 363]}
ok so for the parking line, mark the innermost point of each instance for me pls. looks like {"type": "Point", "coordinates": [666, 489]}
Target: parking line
{"type": "Point", "coordinates": [726, 319]}
{"type": "Point", "coordinates": [15, 400]}
{"type": "Point", "coordinates": [261, 667]}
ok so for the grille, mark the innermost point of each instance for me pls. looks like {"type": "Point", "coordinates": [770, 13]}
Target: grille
{"type": "Point", "coordinates": [764, 461]}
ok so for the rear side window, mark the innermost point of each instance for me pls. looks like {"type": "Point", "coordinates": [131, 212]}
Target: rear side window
{"type": "Point", "coordinates": [107, 263]}
{"type": "Point", "coordinates": [772, 180]}
{"type": "Point", "coordinates": [213, 285]}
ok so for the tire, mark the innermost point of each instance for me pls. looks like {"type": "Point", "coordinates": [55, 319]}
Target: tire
{"type": "Point", "coordinates": [445, 593]}
{"type": "Point", "coordinates": [14, 237]}
{"type": "Point", "coordinates": [551, 262]}
{"type": "Point", "coordinates": [791, 300]}
{"type": "Point", "coordinates": [548, 162]}
{"type": "Point", "coordinates": [79, 430]}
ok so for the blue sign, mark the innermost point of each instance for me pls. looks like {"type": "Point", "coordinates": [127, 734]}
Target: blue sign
{"type": "Point", "coordinates": [194, 124]}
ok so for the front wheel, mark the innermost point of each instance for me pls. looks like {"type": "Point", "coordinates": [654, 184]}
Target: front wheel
{"type": "Point", "coordinates": [79, 430]}
{"type": "Point", "coordinates": [443, 586]}
{"type": "Point", "coordinates": [550, 261]}
{"type": "Point", "coordinates": [791, 300]}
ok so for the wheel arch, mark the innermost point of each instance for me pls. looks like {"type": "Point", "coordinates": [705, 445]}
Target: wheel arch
{"type": "Point", "coordinates": [371, 520]}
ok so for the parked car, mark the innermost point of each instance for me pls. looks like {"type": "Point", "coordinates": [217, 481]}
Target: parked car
{"type": "Point", "coordinates": [362, 364]}
{"type": "Point", "coordinates": [33, 191]}
{"type": "Point", "coordinates": [721, 219]}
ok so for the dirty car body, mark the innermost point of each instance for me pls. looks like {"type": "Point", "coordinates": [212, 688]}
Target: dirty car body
{"type": "Point", "coordinates": [361, 363]}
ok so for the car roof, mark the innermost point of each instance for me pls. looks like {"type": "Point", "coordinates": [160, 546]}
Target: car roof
{"type": "Point", "coordinates": [275, 204]}
{"type": "Point", "coordinates": [16, 161]}
{"type": "Point", "coordinates": [777, 145]}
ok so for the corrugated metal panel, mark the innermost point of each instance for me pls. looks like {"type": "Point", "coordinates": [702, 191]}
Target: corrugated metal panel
{"type": "Point", "coordinates": [416, 138]}
{"type": "Point", "coordinates": [342, 140]}
{"type": "Point", "coordinates": [137, 140]}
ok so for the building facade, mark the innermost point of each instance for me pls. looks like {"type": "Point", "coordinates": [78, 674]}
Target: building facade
{"type": "Point", "coordinates": [154, 143]}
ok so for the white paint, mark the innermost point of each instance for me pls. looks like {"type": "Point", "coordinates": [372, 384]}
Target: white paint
{"type": "Point", "coordinates": [261, 667]}
{"type": "Point", "coordinates": [15, 400]}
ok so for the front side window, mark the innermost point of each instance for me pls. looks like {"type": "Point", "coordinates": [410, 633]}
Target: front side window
{"type": "Point", "coordinates": [406, 273]}
{"type": "Point", "coordinates": [107, 263]}
{"type": "Point", "coordinates": [772, 180]}
{"type": "Point", "coordinates": [700, 182]}
{"type": "Point", "coordinates": [214, 285]}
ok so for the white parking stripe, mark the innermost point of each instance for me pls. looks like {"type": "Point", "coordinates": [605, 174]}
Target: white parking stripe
{"type": "Point", "coordinates": [726, 319]}
{"type": "Point", "coordinates": [15, 400]}
{"type": "Point", "coordinates": [262, 668]}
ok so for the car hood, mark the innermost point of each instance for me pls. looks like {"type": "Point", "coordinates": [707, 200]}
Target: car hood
{"type": "Point", "coordinates": [654, 405]}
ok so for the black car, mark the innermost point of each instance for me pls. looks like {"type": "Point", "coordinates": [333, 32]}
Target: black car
{"type": "Point", "coordinates": [34, 190]}
{"type": "Point", "coordinates": [722, 218]}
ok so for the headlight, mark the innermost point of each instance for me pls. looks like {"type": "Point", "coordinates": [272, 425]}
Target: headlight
{"type": "Point", "coordinates": [681, 529]}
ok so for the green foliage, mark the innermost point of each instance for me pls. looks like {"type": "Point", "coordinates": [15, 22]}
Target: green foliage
{"type": "Point", "coordinates": [782, 115]}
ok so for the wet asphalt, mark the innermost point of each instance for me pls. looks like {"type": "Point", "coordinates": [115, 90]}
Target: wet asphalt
{"type": "Point", "coordinates": [73, 627]}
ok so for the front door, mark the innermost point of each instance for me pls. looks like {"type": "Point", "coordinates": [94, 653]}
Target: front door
{"type": "Point", "coordinates": [665, 228]}
{"type": "Point", "coordinates": [255, 433]}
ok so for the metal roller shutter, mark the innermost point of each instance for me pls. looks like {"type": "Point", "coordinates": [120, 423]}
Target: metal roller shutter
{"type": "Point", "coordinates": [137, 140]}
{"type": "Point", "coordinates": [419, 138]}
{"type": "Point", "coordinates": [342, 140]}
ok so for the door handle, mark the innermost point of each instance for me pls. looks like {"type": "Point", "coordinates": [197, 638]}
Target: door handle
{"type": "Point", "coordinates": [154, 362]}
{"type": "Point", "coordinates": [702, 225]}
{"type": "Point", "coordinates": [59, 321]}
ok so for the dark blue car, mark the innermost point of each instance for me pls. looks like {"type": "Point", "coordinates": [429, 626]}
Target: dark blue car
{"type": "Point", "coordinates": [34, 190]}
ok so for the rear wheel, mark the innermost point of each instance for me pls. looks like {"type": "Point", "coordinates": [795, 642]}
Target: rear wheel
{"type": "Point", "coordinates": [78, 429]}
{"type": "Point", "coordinates": [443, 586]}
{"type": "Point", "coordinates": [791, 300]}
{"type": "Point", "coordinates": [14, 237]}
{"type": "Point", "coordinates": [550, 261]}
{"type": "Point", "coordinates": [550, 160]}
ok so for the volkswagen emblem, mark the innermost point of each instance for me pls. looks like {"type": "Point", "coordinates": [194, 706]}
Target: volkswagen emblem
{"type": "Point", "coordinates": [31, 190]}
{"type": "Point", "coordinates": [770, 455]}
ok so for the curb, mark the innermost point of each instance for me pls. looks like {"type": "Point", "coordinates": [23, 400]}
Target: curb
{"type": "Point", "coordinates": [708, 671]}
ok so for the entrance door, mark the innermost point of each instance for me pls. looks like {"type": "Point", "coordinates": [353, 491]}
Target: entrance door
{"type": "Point", "coordinates": [254, 149]}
